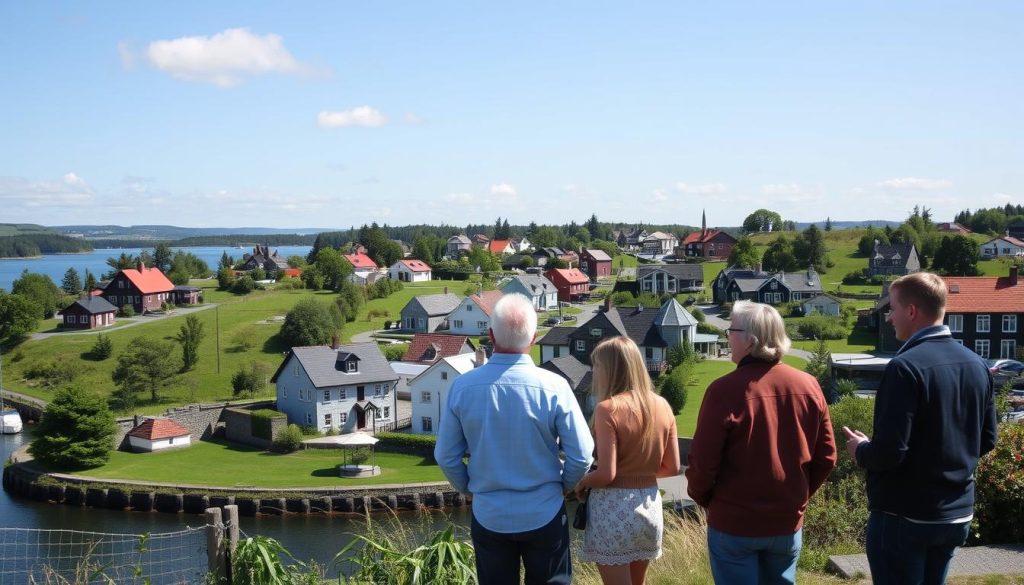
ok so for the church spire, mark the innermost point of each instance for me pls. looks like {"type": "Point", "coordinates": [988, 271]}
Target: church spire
{"type": "Point", "coordinates": [703, 222]}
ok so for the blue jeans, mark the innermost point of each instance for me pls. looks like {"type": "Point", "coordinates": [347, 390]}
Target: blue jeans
{"type": "Point", "coordinates": [904, 552]}
{"type": "Point", "coordinates": [738, 560]}
{"type": "Point", "coordinates": [544, 553]}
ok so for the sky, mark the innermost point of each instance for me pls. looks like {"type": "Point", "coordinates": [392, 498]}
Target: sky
{"type": "Point", "coordinates": [335, 114]}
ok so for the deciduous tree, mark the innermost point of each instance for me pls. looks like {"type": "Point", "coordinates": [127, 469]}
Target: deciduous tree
{"type": "Point", "coordinates": [147, 364]}
{"type": "Point", "coordinates": [308, 323]}
{"type": "Point", "coordinates": [744, 254]}
{"type": "Point", "coordinates": [189, 336]}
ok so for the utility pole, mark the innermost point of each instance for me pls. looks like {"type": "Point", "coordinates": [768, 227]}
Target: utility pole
{"type": "Point", "coordinates": [216, 311]}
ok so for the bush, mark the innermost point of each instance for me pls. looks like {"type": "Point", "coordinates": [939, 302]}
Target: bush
{"type": "Point", "coordinates": [54, 373]}
{"type": "Point", "coordinates": [845, 387]}
{"type": "Point", "coordinates": [680, 353]}
{"type": "Point", "coordinates": [243, 285]}
{"type": "Point", "coordinates": [261, 422]}
{"type": "Point", "coordinates": [822, 327]}
{"type": "Point", "coordinates": [858, 414]}
{"type": "Point", "coordinates": [288, 439]}
{"type": "Point", "coordinates": [395, 351]}
{"type": "Point", "coordinates": [698, 314]}
{"type": "Point", "coordinates": [289, 283]}
{"type": "Point", "coordinates": [126, 311]}
{"type": "Point", "coordinates": [249, 380]}
{"type": "Point", "coordinates": [422, 445]}
{"type": "Point", "coordinates": [673, 388]}
{"type": "Point", "coordinates": [102, 349]}
{"type": "Point", "coordinates": [999, 489]}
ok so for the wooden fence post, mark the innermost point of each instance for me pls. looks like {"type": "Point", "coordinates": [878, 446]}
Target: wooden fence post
{"type": "Point", "coordinates": [231, 521]}
{"type": "Point", "coordinates": [215, 545]}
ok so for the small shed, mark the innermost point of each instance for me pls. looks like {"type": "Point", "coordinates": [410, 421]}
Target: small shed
{"type": "Point", "coordinates": [156, 434]}
{"type": "Point", "coordinates": [88, 313]}
{"type": "Point", "coordinates": [824, 304]}
{"type": "Point", "coordinates": [187, 295]}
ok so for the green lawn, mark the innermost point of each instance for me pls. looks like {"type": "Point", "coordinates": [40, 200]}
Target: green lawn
{"type": "Point", "coordinates": [707, 372]}
{"type": "Point", "coordinates": [230, 465]}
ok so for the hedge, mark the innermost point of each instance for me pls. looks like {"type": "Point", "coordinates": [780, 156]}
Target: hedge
{"type": "Point", "coordinates": [260, 422]}
{"type": "Point", "coordinates": [407, 443]}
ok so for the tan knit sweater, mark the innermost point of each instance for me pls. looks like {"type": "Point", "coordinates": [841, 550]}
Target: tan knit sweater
{"type": "Point", "coordinates": [636, 465]}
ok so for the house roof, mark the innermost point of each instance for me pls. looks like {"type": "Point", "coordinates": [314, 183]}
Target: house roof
{"type": "Point", "coordinates": [93, 305]}
{"type": "Point", "coordinates": [155, 429]}
{"type": "Point", "coordinates": [459, 239]}
{"type": "Point", "coordinates": [983, 294]}
{"type": "Point", "coordinates": [443, 345]}
{"type": "Point", "coordinates": [534, 283]}
{"type": "Point", "coordinates": [660, 236]}
{"type": "Point", "coordinates": [293, 272]}
{"type": "Point", "coordinates": [148, 280]}
{"type": "Point", "coordinates": [808, 281]}
{"type": "Point", "coordinates": [319, 363]}
{"type": "Point", "coordinates": [557, 336]}
{"type": "Point", "coordinates": [677, 271]}
{"type": "Point", "coordinates": [951, 227]}
{"type": "Point", "coordinates": [415, 265]}
{"type": "Point", "coordinates": [360, 260]}
{"type": "Point", "coordinates": [486, 300]}
{"type": "Point", "coordinates": [439, 304]}
{"type": "Point", "coordinates": [700, 236]}
{"type": "Point", "coordinates": [891, 251]}
{"type": "Point", "coordinates": [822, 295]}
{"type": "Point", "coordinates": [186, 288]}
{"type": "Point", "coordinates": [575, 372]}
{"type": "Point", "coordinates": [1010, 239]}
{"type": "Point", "coordinates": [461, 363]}
{"type": "Point", "coordinates": [497, 246]}
{"type": "Point", "coordinates": [567, 276]}
{"type": "Point", "coordinates": [598, 255]}
{"type": "Point", "coordinates": [672, 314]}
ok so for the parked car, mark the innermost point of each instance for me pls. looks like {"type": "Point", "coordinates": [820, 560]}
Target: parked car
{"type": "Point", "coordinates": [1004, 371]}
{"type": "Point", "coordinates": [552, 321]}
{"type": "Point", "coordinates": [569, 318]}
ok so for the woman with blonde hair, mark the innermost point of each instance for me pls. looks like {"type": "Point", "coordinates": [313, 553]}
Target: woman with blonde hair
{"type": "Point", "coordinates": [636, 444]}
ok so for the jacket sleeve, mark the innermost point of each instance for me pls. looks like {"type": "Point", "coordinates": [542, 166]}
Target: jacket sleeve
{"type": "Point", "coordinates": [989, 428]}
{"type": "Point", "coordinates": [895, 407]}
{"type": "Point", "coordinates": [705, 457]}
{"type": "Point", "coordinates": [824, 459]}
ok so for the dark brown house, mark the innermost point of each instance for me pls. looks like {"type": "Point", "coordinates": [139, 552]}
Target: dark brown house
{"type": "Point", "coordinates": [187, 295]}
{"type": "Point", "coordinates": [88, 313]}
{"type": "Point", "coordinates": [595, 263]}
{"type": "Point", "coordinates": [144, 289]}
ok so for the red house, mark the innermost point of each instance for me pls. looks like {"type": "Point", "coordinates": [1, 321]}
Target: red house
{"type": "Point", "coordinates": [710, 244]}
{"type": "Point", "coordinates": [595, 263]}
{"type": "Point", "coordinates": [570, 282]}
{"type": "Point", "coordinates": [88, 313]}
{"type": "Point", "coordinates": [144, 289]}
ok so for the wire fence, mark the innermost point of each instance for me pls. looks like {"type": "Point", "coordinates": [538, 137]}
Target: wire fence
{"type": "Point", "coordinates": [65, 557]}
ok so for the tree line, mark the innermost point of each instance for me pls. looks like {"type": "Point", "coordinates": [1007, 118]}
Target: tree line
{"type": "Point", "coordinates": [28, 245]}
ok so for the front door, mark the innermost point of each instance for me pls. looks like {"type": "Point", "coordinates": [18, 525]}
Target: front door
{"type": "Point", "coordinates": [360, 394]}
{"type": "Point", "coordinates": [360, 418]}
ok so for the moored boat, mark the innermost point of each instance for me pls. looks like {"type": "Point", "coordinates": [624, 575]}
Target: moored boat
{"type": "Point", "coordinates": [10, 421]}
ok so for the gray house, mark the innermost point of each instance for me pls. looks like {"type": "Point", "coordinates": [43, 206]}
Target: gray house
{"type": "Point", "coordinates": [348, 387]}
{"type": "Point", "coordinates": [893, 259]}
{"type": "Point", "coordinates": [536, 288]}
{"type": "Point", "coordinates": [428, 313]}
{"type": "Point", "coordinates": [670, 278]}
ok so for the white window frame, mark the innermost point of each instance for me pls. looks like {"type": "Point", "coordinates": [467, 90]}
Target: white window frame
{"type": "Point", "coordinates": [350, 366]}
{"type": "Point", "coordinates": [581, 345]}
{"type": "Point", "coordinates": [342, 418]}
{"type": "Point", "coordinates": [426, 397]}
{"type": "Point", "coordinates": [987, 320]}
{"type": "Point", "coordinates": [955, 323]}
{"type": "Point", "coordinates": [342, 394]}
{"type": "Point", "coordinates": [982, 347]}
{"type": "Point", "coordinates": [427, 424]}
{"type": "Point", "coordinates": [309, 418]}
{"type": "Point", "coordinates": [1010, 325]}
{"type": "Point", "coordinates": [327, 395]}
{"type": "Point", "coordinates": [457, 323]}
{"type": "Point", "coordinates": [1008, 349]}
{"type": "Point", "coordinates": [327, 420]}
{"type": "Point", "coordinates": [444, 375]}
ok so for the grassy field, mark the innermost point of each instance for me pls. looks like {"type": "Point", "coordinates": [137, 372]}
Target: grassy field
{"type": "Point", "coordinates": [229, 465]}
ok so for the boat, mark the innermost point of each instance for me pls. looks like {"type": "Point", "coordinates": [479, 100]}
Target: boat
{"type": "Point", "coordinates": [10, 420]}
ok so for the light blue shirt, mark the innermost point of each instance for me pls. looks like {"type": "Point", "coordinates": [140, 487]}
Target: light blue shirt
{"type": "Point", "coordinates": [514, 419]}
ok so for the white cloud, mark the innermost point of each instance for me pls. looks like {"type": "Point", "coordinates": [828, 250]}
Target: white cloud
{"type": "Point", "coordinates": [915, 184]}
{"type": "Point", "coordinates": [705, 189]}
{"type": "Point", "coordinates": [660, 196]}
{"type": "Point", "coordinates": [70, 191]}
{"type": "Point", "coordinates": [223, 59]}
{"type": "Point", "coordinates": [75, 181]}
{"type": "Point", "coordinates": [363, 116]}
{"type": "Point", "coordinates": [460, 198]}
{"type": "Point", "coordinates": [412, 119]}
{"type": "Point", "coordinates": [1003, 197]}
{"type": "Point", "coordinates": [503, 189]}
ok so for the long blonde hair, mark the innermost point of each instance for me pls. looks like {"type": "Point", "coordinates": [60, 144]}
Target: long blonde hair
{"type": "Point", "coordinates": [619, 370]}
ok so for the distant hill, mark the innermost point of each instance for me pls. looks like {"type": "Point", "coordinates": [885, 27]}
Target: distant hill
{"type": "Point", "coordinates": [843, 225]}
{"type": "Point", "coordinates": [169, 232]}
{"type": "Point", "coordinates": [21, 229]}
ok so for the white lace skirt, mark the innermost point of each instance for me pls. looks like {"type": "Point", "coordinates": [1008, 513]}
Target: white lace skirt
{"type": "Point", "coordinates": [624, 525]}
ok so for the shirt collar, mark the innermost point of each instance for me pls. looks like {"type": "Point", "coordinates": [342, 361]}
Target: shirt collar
{"type": "Point", "coordinates": [925, 333]}
{"type": "Point", "coordinates": [749, 359]}
{"type": "Point", "coordinates": [510, 358]}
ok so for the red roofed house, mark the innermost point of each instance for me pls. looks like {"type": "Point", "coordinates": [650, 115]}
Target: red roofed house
{"type": "Point", "coordinates": [500, 247]}
{"type": "Point", "coordinates": [711, 244]}
{"type": "Point", "coordinates": [570, 282]}
{"type": "Point", "coordinates": [144, 289]}
{"type": "Point", "coordinates": [427, 348]}
{"type": "Point", "coordinates": [473, 315]}
{"type": "Point", "coordinates": [985, 313]}
{"type": "Point", "coordinates": [292, 272]}
{"type": "Point", "coordinates": [409, 270]}
{"type": "Point", "coordinates": [156, 434]}
{"type": "Point", "coordinates": [362, 265]}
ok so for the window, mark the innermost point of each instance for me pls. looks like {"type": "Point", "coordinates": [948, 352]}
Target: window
{"type": "Point", "coordinates": [981, 347]}
{"type": "Point", "coordinates": [428, 424]}
{"type": "Point", "coordinates": [581, 345]}
{"type": "Point", "coordinates": [342, 394]}
{"type": "Point", "coordinates": [295, 370]}
{"type": "Point", "coordinates": [956, 323]}
{"type": "Point", "coordinates": [469, 308]}
{"type": "Point", "coordinates": [444, 375]}
{"type": "Point", "coordinates": [387, 412]}
{"type": "Point", "coordinates": [343, 418]}
{"type": "Point", "coordinates": [377, 390]}
{"type": "Point", "coordinates": [481, 324]}
{"type": "Point", "coordinates": [1007, 349]}
{"type": "Point", "coordinates": [1010, 324]}
{"type": "Point", "coordinates": [327, 395]}
{"type": "Point", "coordinates": [557, 351]}
{"type": "Point", "coordinates": [83, 319]}
{"type": "Point", "coordinates": [425, 397]}
{"type": "Point", "coordinates": [350, 366]}
{"type": "Point", "coordinates": [284, 391]}
{"type": "Point", "coordinates": [595, 332]}
{"type": "Point", "coordinates": [309, 418]}
{"type": "Point", "coordinates": [327, 420]}
{"type": "Point", "coordinates": [457, 323]}
{"type": "Point", "coordinates": [775, 285]}
{"type": "Point", "coordinates": [984, 324]}
{"type": "Point", "coordinates": [120, 284]}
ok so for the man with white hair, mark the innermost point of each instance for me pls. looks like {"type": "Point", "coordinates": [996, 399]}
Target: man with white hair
{"type": "Point", "coordinates": [516, 422]}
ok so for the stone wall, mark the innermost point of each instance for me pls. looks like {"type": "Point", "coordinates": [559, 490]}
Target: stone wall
{"type": "Point", "coordinates": [238, 426]}
{"type": "Point", "coordinates": [202, 420]}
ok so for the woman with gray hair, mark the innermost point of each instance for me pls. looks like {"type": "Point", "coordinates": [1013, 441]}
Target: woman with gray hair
{"type": "Point", "coordinates": [762, 447]}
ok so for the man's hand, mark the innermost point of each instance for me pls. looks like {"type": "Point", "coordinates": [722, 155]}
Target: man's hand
{"type": "Point", "coordinates": [853, 440]}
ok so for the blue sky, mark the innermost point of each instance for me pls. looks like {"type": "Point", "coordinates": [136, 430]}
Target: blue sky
{"type": "Point", "coordinates": [336, 114]}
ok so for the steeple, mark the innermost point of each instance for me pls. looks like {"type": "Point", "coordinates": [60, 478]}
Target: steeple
{"type": "Point", "coordinates": [703, 223]}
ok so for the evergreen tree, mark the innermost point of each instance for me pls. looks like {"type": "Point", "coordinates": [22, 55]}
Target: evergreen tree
{"type": "Point", "coordinates": [226, 261]}
{"type": "Point", "coordinates": [189, 336]}
{"type": "Point", "coordinates": [162, 257]}
{"type": "Point", "coordinates": [809, 249]}
{"type": "Point", "coordinates": [594, 227]}
{"type": "Point", "coordinates": [819, 365]}
{"type": "Point", "coordinates": [828, 224]}
{"type": "Point", "coordinates": [90, 281]}
{"type": "Point", "coordinates": [102, 349]}
{"type": "Point", "coordinates": [71, 284]}
{"type": "Point", "coordinates": [76, 431]}
{"type": "Point", "coordinates": [957, 256]}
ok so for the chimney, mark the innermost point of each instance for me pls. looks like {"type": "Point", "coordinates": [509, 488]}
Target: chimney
{"type": "Point", "coordinates": [334, 342]}
{"type": "Point", "coordinates": [759, 268]}
{"type": "Point", "coordinates": [141, 266]}
{"type": "Point", "coordinates": [137, 420]}
{"type": "Point", "coordinates": [607, 304]}
{"type": "Point", "coordinates": [1013, 275]}
{"type": "Point", "coordinates": [446, 290]}
{"type": "Point", "coordinates": [481, 357]}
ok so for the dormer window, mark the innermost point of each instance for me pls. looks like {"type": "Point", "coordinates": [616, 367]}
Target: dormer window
{"type": "Point", "coordinates": [350, 366]}
{"type": "Point", "coordinates": [595, 332]}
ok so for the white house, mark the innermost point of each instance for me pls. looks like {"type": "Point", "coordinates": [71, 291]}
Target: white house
{"type": "Point", "coordinates": [348, 387]}
{"type": "Point", "coordinates": [823, 304]}
{"type": "Point", "coordinates": [473, 315]}
{"type": "Point", "coordinates": [1004, 246]}
{"type": "Point", "coordinates": [535, 287]}
{"type": "Point", "coordinates": [157, 434]}
{"type": "Point", "coordinates": [409, 271]}
{"type": "Point", "coordinates": [660, 243]}
{"type": "Point", "coordinates": [521, 244]}
{"type": "Point", "coordinates": [363, 268]}
{"type": "Point", "coordinates": [429, 390]}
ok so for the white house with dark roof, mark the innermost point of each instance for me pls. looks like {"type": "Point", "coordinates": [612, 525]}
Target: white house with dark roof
{"type": "Point", "coordinates": [1002, 247]}
{"type": "Point", "coordinates": [429, 313]}
{"type": "Point", "coordinates": [409, 270]}
{"type": "Point", "coordinates": [535, 287]}
{"type": "Point", "coordinates": [893, 259]}
{"type": "Point", "coordinates": [429, 390]}
{"type": "Point", "coordinates": [348, 387]}
{"type": "Point", "coordinates": [824, 304]}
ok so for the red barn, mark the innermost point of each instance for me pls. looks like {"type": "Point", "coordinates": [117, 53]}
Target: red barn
{"type": "Point", "coordinates": [570, 282]}
{"type": "Point", "coordinates": [595, 263]}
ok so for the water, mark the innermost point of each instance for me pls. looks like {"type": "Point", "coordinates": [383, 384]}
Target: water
{"type": "Point", "coordinates": [55, 265]}
{"type": "Point", "coordinates": [317, 537]}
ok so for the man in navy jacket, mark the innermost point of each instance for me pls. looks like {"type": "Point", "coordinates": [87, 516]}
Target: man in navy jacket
{"type": "Point", "coordinates": [934, 418]}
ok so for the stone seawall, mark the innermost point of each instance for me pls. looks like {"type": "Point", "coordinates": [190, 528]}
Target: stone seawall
{"type": "Point", "coordinates": [24, 480]}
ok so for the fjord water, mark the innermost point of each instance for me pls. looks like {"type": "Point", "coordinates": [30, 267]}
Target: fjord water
{"type": "Point", "coordinates": [55, 265]}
